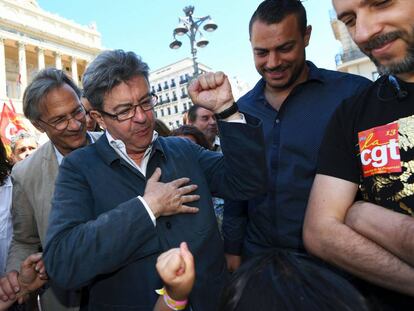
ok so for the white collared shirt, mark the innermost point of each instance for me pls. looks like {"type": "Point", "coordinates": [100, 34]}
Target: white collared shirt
{"type": "Point", "coordinates": [59, 156]}
{"type": "Point", "coordinates": [120, 148]}
{"type": "Point", "coordinates": [6, 228]}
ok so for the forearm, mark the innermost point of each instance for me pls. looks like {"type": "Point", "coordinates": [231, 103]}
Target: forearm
{"type": "Point", "coordinates": [344, 247]}
{"type": "Point", "coordinates": [391, 230]}
{"type": "Point", "coordinates": [242, 173]}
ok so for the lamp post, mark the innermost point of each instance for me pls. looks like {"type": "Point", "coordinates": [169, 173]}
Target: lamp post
{"type": "Point", "coordinates": [190, 26]}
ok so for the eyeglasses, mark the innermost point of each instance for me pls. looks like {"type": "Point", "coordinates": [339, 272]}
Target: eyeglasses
{"type": "Point", "coordinates": [130, 110]}
{"type": "Point", "coordinates": [62, 124]}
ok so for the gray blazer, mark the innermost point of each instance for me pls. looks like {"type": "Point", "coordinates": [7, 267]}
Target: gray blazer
{"type": "Point", "coordinates": [33, 186]}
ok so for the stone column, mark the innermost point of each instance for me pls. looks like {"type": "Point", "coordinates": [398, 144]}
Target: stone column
{"type": "Point", "coordinates": [75, 70]}
{"type": "Point", "coordinates": [40, 58]}
{"type": "Point", "coordinates": [58, 60]}
{"type": "Point", "coordinates": [22, 69]}
{"type": "Point", "coordinates": [3, 89]}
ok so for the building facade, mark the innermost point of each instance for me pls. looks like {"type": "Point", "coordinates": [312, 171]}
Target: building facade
{"type": "Point", "coordinates": [32, 39]}
{"type": "Point", "coordinates": [351, 59]}
{"type": "Point", "coordinates": [170, 84]}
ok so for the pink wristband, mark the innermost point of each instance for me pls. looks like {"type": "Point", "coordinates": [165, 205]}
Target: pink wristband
{"type": "Point", "coordinates": [171, 303]}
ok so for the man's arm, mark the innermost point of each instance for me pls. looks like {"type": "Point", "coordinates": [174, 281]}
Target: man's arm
{"type": "Point", "coordinates": [177, 271]}
{"type": "Point", "coordinates": [31, 277]}
{"type": "Point", "coordinates": [391, 230]}
{"type": "Point", "coordinates": [80, 246]}
{"type": "Point", "coordinates": [243, 173]}
{"type": "Point", "coordinates": [327, 236]}
{"type": "Point", "coordinates": [25, 239]}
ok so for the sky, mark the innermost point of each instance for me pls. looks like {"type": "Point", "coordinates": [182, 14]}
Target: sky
{"type": "Point", "coordinates": [146, 27]}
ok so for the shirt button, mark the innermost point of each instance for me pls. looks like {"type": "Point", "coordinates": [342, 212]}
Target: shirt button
{"type": "Point", "coordinates": [168, 225]}
{"type": "Point", "coordinates": [277, 121]}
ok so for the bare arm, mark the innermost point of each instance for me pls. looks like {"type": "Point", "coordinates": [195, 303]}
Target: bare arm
{"type": "Point", "coordinates": [391, 230]}
{"type": "Point", "coordinates": [327, 236]}
{"type": "Point", "coordinates": [176, 269]}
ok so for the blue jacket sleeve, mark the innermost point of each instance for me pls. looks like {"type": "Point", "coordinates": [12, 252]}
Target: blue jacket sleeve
{"type": "Point", "coordinates": [242, 173]}
{"type": "Point", "coordinates": [80, 246]}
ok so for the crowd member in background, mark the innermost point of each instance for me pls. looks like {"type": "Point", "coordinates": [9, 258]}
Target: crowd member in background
{"type": "Point", "coordinates": [192, 133]}
{"type": "Point", "coordinates": [161, 128]}
{"type": "Point", "coordinates": [22, 145]}
{"type": "Point", "coordinates": [108, 235]}
{"type": "Point", "coordinates": [51, 102]}
{"type": "Point", "coordinates": [91, 124]}
{"type": "Point", "coordinates": [185, 117]}
{"type": "Point", "coordinates": [5, 206]}
{"type": "Point", "coordinates": [368, 150]}
{"type": "Point", "coordinates": [32, 276]}
{"type": "Point", "coordinates": [295, 100]}
{"type": "Point", "coordinates": [279, 280]}
{"type": "Point", "coordinates": [205, 121]}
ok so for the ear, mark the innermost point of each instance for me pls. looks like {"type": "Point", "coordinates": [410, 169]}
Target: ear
{"type": "Point", "coordinates": [98, 118]}
{"type": "Point", "coordinates": [38, 127]}
{"type": "Point", "coordinates": [308, 33]}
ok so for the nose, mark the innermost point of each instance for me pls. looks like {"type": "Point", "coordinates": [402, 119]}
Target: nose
{"type": "Point", "coordinates": [366, 28]}
{"type": "Point", "coordinates": [212, 121]}
{"type": "Point", "coordinates": [273, 60]}
{"type": "Point", "coordinates": [140, 115]}
{"type": "Point", "coordinates": [74, 125]}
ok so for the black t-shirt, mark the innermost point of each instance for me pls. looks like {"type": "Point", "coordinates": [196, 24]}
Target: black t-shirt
{"type": "Point", "coordinates": [370, 142]}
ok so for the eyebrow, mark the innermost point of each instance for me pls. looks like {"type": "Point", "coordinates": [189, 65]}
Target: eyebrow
{"type": "Point", "coordinates": [361, 3]}
{"type": "Point", "coordinates": [130, 103]}
{"type": "Point", "coordinates": [283, 45]}
{"type": "Point", "coordinates": [59, 117]}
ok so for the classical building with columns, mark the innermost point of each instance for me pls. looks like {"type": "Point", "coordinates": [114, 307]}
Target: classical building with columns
{"type": "Point", "coordinates": [32, 39]}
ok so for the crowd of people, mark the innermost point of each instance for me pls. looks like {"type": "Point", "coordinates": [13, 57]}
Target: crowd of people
{"type": "Point", "coordinates": [298, 196]}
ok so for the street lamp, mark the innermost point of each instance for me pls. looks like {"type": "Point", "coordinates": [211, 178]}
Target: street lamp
{"type": "Point", "coordinates": [189, 26]}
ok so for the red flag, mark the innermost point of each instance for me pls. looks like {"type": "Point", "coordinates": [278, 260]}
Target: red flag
{"type": "Point", "coordinates": [10, 124]}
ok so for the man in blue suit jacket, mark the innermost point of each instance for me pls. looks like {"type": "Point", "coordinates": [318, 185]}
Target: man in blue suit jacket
{"type": "Point", "coordinates": [110, 219]}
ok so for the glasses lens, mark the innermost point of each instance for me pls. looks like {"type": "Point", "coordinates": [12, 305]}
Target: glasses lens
{"type": "Point", "coordinates": [61, 125]}
{"type": "Point", "coordinates": [128, 114]}
{"type": "Point", "coordinates": [79, 114]}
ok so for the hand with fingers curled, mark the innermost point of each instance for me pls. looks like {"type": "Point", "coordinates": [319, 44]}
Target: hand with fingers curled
{"type": "Point", "coordinates": [212, 91]}
{"type": "Point", "coordinates": [165, 199]}
{"type": "Point", "coordinates": [177, 271]}
{"type": "Point", "coordinates": [16, 286]}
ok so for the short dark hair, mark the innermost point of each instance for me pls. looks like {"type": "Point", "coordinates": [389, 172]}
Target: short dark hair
{"type": "Point", "coordinates": [109, 69]}
{"type": "Point", "coordinates": [192, 113]}
{"type": "Point", "coordinates": [161, 128]}
{"type": "Point", "coordinates": [283, 280]}
{"type": "Point", "coordinates": [5, 164]}
{"type": "Point", "coordinates": [189, 130]}
{"type": "Point", "coordinates": [274, 11]}
{"type": "Point", "coordinates": [45, 81]}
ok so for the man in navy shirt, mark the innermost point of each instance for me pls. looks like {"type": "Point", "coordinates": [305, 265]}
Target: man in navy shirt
{"type": "Point", "coordinates": [294, 99]}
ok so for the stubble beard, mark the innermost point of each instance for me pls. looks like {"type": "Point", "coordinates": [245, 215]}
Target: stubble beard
{"type": "Point", "coordinates": [405, 65]}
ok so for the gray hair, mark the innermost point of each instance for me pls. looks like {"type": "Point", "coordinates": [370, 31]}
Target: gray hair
{"type": "Point", "coordinates": [45, 81]}
{"type": "Point", "coordinates": [19, 136]}
{"type": "Point", "coordinates": [109, 69]}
